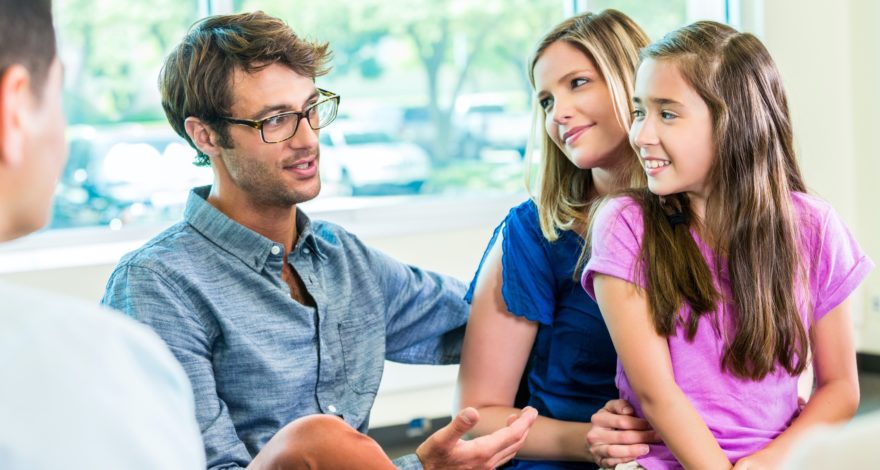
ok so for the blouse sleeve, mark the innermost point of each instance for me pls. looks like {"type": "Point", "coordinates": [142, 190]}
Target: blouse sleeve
{"type": "Point", "coordinates": [528, 282]}
{"type": "Point", "coordinates": [615, 241]}
{"type": "Point", "coordinates": [839, 264]}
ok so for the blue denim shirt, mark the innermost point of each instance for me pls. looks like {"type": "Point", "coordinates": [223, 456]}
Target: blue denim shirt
{"type": "Point", "coordinates": [257, 359]}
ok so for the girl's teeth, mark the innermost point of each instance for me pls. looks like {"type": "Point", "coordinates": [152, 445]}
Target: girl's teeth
{"type": "Point", "coordinates": [656, 163]}
{"type": "Point", "coordinates": [302, 166]}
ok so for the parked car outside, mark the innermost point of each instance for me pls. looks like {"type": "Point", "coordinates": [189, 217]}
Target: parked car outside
{"type": "Point", "coordinates": [365, 158]}
{"type": "Point", "coordinates": [115, 174]}
{"type": "Point", "coordinates": [485, 122]}
{"type": "Point", "coordinates": [417, 126]}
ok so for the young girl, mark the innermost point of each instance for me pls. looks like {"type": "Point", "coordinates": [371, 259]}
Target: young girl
{"type": "Point", "coordinates": [526, 303]}
{"type": "Point", "coordinates": [718, 283]}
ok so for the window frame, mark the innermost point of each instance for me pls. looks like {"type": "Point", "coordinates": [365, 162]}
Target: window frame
{"type": "Point", "coordinates": [365, 216]}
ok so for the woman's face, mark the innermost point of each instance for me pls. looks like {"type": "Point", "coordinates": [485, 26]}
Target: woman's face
{"type": "Point", "coordinates": [672, 131]}
{"type": "Point", "coordinates": [579, 114]}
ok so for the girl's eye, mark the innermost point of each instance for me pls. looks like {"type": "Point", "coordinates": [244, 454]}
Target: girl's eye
{"type": "Point", "coordinates": [545, 103]}
{"type": "Point", "coordinates": [638, 114]}
{"type": "Point", "coordinates": [666, 115]}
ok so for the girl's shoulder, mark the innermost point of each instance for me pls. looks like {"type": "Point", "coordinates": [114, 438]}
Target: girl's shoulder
{"type": "Point", "coordinates": [810, 203]}
{"type": "Point", "coordinates": [811, 212]}
{"type": "Point", "coordinates": [624, 208]}
{"type": "Point", "coordinates": [617, 222]}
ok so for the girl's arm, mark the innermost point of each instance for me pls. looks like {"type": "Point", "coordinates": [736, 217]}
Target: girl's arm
{"type": "Point", "coordinates": [496, 349]}
{"type": "Point", "coordinates": [645, 358]}
{"type": "Point", "coordinates": [837, 386]}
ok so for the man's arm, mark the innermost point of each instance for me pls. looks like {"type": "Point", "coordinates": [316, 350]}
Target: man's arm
{"type": "Point", "coordinates": [425, 317]}
{"type": "Point", "coordinates": [425, 312]}
{"type": "Point", "coordinates": [146, 296]}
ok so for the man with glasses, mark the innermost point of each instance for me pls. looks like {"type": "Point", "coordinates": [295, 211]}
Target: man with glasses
{"type": "Point", "coordinates": [283, 323]}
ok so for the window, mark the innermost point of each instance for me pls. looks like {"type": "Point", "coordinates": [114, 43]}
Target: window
{"type": "Point", "coordinates": [436, 97]}
{"type": "Point", "coordinates": [126, 165]}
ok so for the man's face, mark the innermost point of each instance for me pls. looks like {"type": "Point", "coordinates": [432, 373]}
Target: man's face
{"type": "Point", "coordinates": [44, 153]}
{"type": "Point", "coordinates": [280, 174]}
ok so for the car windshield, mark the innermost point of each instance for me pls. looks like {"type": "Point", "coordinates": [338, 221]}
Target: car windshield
{"type": "Point", "coordinates": [364, 138]}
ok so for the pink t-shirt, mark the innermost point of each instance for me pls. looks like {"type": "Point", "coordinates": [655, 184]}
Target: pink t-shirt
{"type": "Point", "coordinates": [743, 415]}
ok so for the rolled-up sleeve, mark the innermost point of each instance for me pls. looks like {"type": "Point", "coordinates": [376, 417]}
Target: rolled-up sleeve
{"type": "Point", "coordinates": [425, 312]}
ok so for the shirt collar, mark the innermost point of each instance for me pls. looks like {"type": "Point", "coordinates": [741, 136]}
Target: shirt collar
{"type": "Point", "coordinates": [306, 232]}
{"type": "Point", "coordinates": [245, 244]}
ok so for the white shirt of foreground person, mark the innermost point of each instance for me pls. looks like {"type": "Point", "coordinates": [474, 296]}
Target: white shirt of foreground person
{"type": "Point", "coordinates": [82, 387]}
{"type": "Point", "coordinates": [853, 446]}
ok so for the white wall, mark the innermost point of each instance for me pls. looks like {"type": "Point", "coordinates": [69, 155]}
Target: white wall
{"type": "Point", "coordinates": [865, 53]}
{"type": "Point", "coordinates": [829, 57]}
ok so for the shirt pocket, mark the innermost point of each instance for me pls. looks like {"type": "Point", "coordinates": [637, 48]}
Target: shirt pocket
{"type": "Point", "coordinates": [363, 353]}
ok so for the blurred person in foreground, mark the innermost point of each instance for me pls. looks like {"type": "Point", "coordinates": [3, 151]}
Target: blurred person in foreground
{"type": "Point", "coordinates": [83, 388]}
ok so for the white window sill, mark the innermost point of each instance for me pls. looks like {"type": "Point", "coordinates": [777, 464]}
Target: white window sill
{"type": "Point", "coordinates": [370, 217]}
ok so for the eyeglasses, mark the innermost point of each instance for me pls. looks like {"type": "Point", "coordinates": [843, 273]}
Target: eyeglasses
{"type": "Point", "coordinates": [280, 127]}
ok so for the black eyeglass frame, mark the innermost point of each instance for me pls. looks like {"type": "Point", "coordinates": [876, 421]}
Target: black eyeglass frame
{"type": "Point", "coordinates": [300, 115]}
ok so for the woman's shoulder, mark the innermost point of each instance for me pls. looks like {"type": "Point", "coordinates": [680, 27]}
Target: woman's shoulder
{"type": "Point", "coordinates": [525, 212]}
{"type": "Point", "coordinates": [523, 223]}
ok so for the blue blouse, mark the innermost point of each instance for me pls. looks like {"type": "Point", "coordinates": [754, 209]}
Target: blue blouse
{"type": "Point", "coordinates": [572, 364]}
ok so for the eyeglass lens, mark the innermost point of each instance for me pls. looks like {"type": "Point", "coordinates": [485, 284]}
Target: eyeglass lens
{"type": "Point", "coordinates": [284, 126]}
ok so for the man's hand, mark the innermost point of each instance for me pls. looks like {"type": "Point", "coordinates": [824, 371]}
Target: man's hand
{"type": "Point", "coordinates": [446, 449]}
{"type": "Point", "coordinates": [617, 436]}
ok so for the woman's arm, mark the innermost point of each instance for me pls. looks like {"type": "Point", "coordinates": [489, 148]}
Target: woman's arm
{"type": "Point", "coordinates": [837, 386]}
{"type": "Point", "coordinates": [645, 358]}
{"type": "Point", "coordinates": [496, 349]}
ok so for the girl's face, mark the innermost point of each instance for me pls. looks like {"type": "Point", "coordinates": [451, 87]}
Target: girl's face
{"type": "Point", "coordinates": [672, 131]}
{"type": "Point", "coordinates": [580, 117]}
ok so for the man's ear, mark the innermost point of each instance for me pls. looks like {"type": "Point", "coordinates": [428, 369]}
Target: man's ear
{"type": "Point", "coordinates": [202, 135]}
{"type": "Point", "coordinates": [16, 100]}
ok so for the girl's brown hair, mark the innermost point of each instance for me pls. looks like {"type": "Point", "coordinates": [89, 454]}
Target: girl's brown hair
{"type": "Point", "coordinates": [750, 221]}
{"type": "Point", "coordinates": [612, 41]}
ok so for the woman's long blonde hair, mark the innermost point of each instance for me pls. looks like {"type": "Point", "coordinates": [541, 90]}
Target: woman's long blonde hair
{"type": "Point", "coordinates": [612, 41]}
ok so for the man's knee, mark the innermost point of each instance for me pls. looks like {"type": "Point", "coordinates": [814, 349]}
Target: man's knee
{"type": "Point", "coordinates": [317, 434]}
{"type": "Point", "coordinates": [318, 426]}
{"type": "Point", "coordinates": [318, 441]}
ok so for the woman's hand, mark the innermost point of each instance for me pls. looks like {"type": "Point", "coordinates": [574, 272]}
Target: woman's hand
{"type": "Point", "coordinates": [617, 436]}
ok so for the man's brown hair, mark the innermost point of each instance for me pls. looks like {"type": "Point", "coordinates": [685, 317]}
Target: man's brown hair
{"type": "Point", "coordinates": [27, 37]}
{"type": "Point", "coordinates": [196, 79]}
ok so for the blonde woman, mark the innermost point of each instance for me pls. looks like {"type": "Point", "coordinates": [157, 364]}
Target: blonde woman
{"type": "Point", "coordinates": [526, 305]}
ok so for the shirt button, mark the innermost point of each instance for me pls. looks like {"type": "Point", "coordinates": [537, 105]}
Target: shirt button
{"type": "Point", "coordinates": [275, 249]}
{"type": "Point", "coordinates": [331, 409]}
{"type": "Point", "coordinates": [306, 250]}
